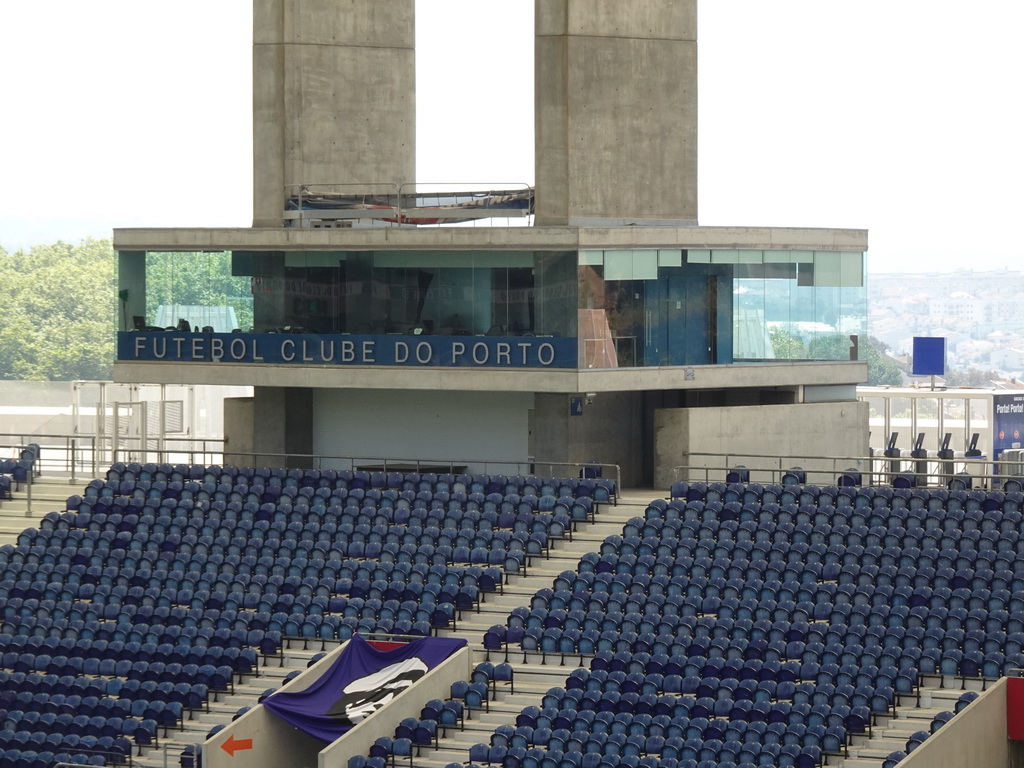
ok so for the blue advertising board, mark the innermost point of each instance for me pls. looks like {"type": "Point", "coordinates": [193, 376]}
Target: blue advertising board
{"type": "Point", "coordinates": [929, 356]}
{"type": "Point", "coordinates": [1008, 422]}
{"type": "Point", "coordinates": [348, 350]}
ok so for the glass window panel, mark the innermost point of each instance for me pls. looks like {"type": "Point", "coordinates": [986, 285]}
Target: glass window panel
{"type": "Point", "coordinates": [670, 258]}
{"type": "Point", "coordinates": [591, 258]}
{"type": "Point", "coordinates": [698, 256]}
{"type": "Point", "coordinates": [827, 269]}
{"type": "Point", "coordinates": [751, 335]}
{"type": "Point", "coordinates": [724, 256]}
{"type": "Point", "coordinates": [645, 265]}
{"type": "Point", "coordinates": [750, 257]}
{"type": "Point", "coordinates": [777, 257]}
{"type": "Point", "coordinates": [618, 265]}
{"type": "Point", "coordinates": [851, 271]}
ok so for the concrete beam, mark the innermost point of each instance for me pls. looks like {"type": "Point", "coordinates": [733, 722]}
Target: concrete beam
{"type": "Point", "coordinates": [478, 238]}
{"type": "Point", "coordinates": [759, 376]}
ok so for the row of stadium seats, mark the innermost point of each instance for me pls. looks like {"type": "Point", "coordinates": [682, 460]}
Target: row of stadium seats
{"type": "Point", "coordinates": [347, 479]}
{"type": "Point", "coordinates": [852, 496]}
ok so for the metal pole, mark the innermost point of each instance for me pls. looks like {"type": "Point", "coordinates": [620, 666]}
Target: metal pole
{"type": "Point", "coordinates": [73, 445]}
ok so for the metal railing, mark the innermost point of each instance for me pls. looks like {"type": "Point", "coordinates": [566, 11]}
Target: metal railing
{"type": "Point", "coordinates": [391, 204]}
{"type": "Point", "coordinates": [215, 452]}
{"type": "Point", "coordinates": [184, 450]}
{"type": "Point", "coordinates": [69, 454]}
{"type": "Point", "coordinates": [979, 473]}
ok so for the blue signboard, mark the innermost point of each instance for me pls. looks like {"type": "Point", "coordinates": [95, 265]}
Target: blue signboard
{"type": "Point", "coordinates": [929, 356]}
{"type": "Point", "coordinates": [348, 350]}
{"type": "Point", "coordinates": [1008, 424]}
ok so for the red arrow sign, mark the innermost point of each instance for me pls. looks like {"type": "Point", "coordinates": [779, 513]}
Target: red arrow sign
{"type": "Point", "coordinates": [233, 745]}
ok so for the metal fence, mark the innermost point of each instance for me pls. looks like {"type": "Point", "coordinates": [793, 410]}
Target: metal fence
{"type": "Point", "coordinates": [856, 470]}
{"type": "Point", "coordinates": [65, 454]}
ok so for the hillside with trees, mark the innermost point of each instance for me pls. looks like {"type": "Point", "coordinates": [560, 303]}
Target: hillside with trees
{"type": "Point", "coordinates": [59, 304]}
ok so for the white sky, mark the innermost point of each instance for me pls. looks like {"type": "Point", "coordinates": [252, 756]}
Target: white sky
{"type": "Point", "coordinates": [899, 116]}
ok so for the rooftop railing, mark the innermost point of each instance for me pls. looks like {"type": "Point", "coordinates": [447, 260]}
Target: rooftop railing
{"type": "Point", "coordinates": [386, 204]}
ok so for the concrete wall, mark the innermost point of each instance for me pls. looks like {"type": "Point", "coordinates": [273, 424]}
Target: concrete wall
{"type": "Point", "coordinates": [616, 111]}
{"type": "Point", "coordinates": [274, 743]}
{"type": "Point", "coordinates": [28, 407]}
{"type": "Point", "coordinates": [609, 431]}
{"type": "Point", "coordinates": [975, 738]}
{"type": "Point", "coordinates": [333, 96]}
{"type": "Point", "coordinates": [239, 425]}
{"type": "Point", "coordinates": [805, 430]}
{"type": "Point", "coordinates": [465, 428]}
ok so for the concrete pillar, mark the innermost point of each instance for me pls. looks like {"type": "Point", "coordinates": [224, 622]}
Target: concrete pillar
{"type": "Point", "coordinates": [607, 431]}
{"type": "Point", "coordinates": [616, 112]}
{"type": "Point", "coordinates": [333, 97]}
{"type": "Point", "coordinates": [281, 426]}
{"type": "Point", "coordinates": [239, 425]}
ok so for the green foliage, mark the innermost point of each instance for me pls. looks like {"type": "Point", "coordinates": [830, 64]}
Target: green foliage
{"type": "Point", "coordinates": [882, 369]}
{"type": "Point", "coordinates": [972, 377]}
{"type": "Point", "coordinates": [785, 345]}
{"type": "Point", "coordinates": [59, 312]}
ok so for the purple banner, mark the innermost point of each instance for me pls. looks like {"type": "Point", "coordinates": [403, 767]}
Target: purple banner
{"type": "Point", "coordinates": [362, 680]}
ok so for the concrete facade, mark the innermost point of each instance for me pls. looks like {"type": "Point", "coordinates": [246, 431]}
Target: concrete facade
{"type": "Point", "coordinates": [800, 429]}
{"type": "Point", "coordinates": [616, 147]}
{"type": "Point", "coordinates": [616, 111]}
{"type": "Point", "coordinates": [333, 97]}
{"type": "Point", "coordinates": [711, 377]}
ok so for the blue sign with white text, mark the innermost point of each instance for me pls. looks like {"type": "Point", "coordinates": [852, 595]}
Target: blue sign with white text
{"type": "Point", "coordinates": [348, 350]}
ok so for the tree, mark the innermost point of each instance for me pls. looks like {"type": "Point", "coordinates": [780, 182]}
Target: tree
{"type": "Point", "coordinates": [202, 279]}
{"type": "Point", "coordinates": [785, 345]}
{"type": "Point", "coordinates": [882, 369]}
{"type": "Point", "coordinates": [59, 305]}
{"type": "Point", "coordinates": [972, 377]}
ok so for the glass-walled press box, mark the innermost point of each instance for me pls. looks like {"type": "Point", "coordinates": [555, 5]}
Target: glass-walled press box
{"type": "Point", "coordinates": [589, 309]}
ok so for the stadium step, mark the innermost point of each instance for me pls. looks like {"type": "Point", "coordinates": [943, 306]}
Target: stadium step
{"type": "Point", "coordinates": [914, 713]}
{"type": "Point", "coordinates": [537, 674]}
{"type": "Point", "coordinates": [48, 494]}
{"type": "Point", "coordinates": [564, 555]}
